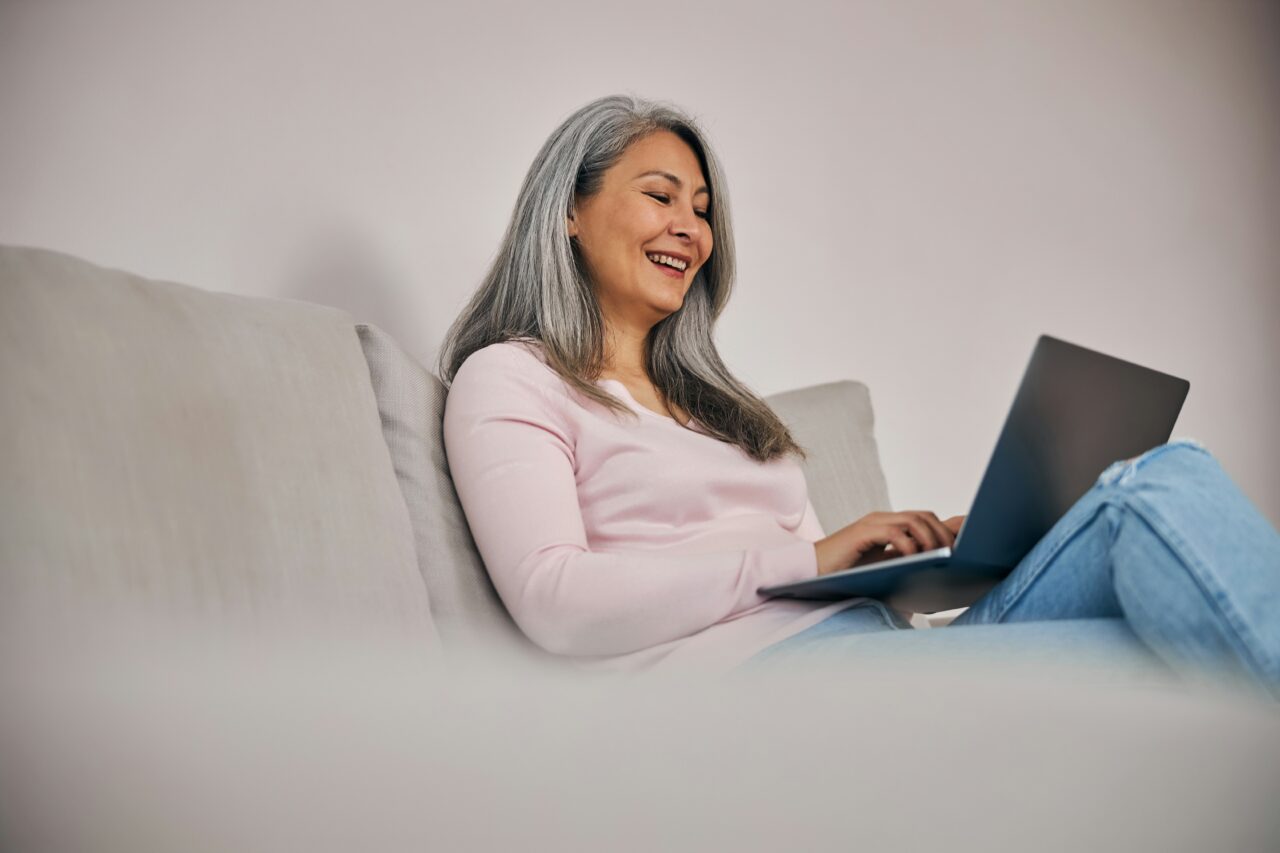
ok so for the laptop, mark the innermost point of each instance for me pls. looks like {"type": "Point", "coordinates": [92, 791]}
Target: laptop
{"type": "Point", "coordinates": [1076, 412]}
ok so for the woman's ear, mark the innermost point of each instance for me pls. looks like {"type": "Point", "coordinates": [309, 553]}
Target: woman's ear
{"type": "Point", "coordinates": [571, 224]}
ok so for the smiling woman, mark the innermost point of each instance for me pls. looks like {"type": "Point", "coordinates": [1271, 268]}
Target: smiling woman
{"type": "Point", "coordinates": [627, 494]}
{"type": "Point", "coordinates": [641, 238]}
{"type": "Point", "coordinates": [623, 194]}
{"type": "Point", "coordinates": [625, 543]}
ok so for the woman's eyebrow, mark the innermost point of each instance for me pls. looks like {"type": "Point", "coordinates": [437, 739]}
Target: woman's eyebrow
{"type": "Point", "coordinates": [673, 179]}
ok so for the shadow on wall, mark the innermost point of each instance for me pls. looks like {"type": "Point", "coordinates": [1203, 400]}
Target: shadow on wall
{"type": "Point", "coordinates": [342, 269]}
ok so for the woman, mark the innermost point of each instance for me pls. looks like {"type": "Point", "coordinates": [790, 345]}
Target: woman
{"type": "Point", "coordinates": [629, 496]}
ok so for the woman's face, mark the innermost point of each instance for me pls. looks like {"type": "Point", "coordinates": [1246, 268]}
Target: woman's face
{"type": "Point", "coordinates": [653, 201]}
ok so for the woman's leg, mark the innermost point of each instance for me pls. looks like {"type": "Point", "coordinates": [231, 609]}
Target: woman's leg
{"type": "Point", "coordinates": [1168, 543]}
{"type": "Point", "coordinates": [1099, 649]}
{"type": "Point", "coordinates": [827, 637]}
{"type": "Point", "coordinates": [871, 632]}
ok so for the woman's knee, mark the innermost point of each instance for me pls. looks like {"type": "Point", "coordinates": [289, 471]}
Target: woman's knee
{"type": "Point", "coordinates": [1159, 461]}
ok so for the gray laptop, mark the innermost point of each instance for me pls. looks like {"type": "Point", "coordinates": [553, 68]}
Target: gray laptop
{"type": "Point", "coordinates": [1075, 412]}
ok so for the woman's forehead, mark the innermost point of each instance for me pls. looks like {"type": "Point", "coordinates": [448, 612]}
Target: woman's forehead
{"type": "Point", "coordinates": [666, 156]}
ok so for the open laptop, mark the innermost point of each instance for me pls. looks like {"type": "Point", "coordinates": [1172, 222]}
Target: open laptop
{"type": "Point", "coordinates": [1075, 412]}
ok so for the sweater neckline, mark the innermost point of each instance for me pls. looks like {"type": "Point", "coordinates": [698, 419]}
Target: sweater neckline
{"type": "Point", "coordinates": [645, 410]}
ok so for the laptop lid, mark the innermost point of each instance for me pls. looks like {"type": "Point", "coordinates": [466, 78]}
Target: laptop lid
{"type": "Point", "coordinates": [1076, 411]}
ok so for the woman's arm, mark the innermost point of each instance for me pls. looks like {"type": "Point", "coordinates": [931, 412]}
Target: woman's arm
{"type": "Point", "coordinates": [511, 456]}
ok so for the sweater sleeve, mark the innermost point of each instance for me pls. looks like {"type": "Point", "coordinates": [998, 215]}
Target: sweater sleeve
{"type": "Point", "coordinates": [511, 456]}
{"type": "Point", "coordinates": [810, 528]}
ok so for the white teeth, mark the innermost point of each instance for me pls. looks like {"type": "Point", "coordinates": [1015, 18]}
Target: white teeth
{"type": "Point", "coordinates": [668, 261]}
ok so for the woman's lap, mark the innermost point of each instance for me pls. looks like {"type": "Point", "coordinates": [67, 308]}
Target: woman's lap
{"type": "Point", "coordinates": [1162, 560]}
{"type": "Point", "coordinates": [835, 633]}
{"type": "Point", "coordinates": [862, 632]}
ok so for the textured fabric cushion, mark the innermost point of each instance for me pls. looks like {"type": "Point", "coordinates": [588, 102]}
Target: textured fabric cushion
{"type": "Point", "coordinates": [835, 424]}
{"type": "Point", "coordinates": [189, 455]}
{"type": "Point", "coordinates": [466, 607]}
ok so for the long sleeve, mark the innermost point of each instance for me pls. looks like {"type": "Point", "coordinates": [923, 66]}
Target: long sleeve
{"type": "Point", "coordinates": [810, 528]}
{"type": "Point", "coordinates": [511, 454]}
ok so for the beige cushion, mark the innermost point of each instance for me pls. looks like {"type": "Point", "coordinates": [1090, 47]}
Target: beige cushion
{"type": "Point", "coordinates": [410, 399]}
{"type": "Point", "coordinates": [180, 454]}
{"type": "Point", "coordinates": [835, 424]}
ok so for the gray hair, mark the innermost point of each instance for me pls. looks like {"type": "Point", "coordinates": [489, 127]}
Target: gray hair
{"type": "Point", "coordinates": [537, 288]}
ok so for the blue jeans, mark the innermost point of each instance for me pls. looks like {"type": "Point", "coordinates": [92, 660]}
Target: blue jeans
{"type": "Point", "coordinates": [1163, 564]}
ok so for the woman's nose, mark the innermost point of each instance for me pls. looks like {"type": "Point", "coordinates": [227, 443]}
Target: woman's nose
{"type": "Point", "coordinates": [688, 224]}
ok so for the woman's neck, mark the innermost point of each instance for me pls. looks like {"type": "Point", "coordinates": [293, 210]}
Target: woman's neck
{"type": "Point", "coordinates": [625, 355]}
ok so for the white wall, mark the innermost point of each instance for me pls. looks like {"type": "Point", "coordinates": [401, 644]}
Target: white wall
{"type": "Point", "coordinates": [920, 188]}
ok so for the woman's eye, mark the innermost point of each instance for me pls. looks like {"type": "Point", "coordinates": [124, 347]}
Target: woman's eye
{"type": "Point", "coordinates": [665, 199]}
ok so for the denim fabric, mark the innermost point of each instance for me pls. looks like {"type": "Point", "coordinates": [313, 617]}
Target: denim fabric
{"type": "Point", "coordinates": [867, 616]}
{"type": "Point", "coordinates": [1163, 560]}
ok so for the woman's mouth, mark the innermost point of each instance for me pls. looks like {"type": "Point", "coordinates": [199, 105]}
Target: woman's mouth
{"type": "Point", "coordinates": [666, 269]}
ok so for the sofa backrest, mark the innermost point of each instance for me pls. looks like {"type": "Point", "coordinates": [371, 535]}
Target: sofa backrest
{"type": "Point", "coordinates": [833, 422]}
{"type": "Point", "coordinates": [172, 453]}
{"type": "Point", "coordinates": [199, 454]}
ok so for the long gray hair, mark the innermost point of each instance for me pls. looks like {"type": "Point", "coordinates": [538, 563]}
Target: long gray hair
{"type": "Point", "coordinates": [537, 288]}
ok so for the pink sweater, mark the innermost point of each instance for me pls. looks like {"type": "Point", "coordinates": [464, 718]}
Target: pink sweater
{"type": "Point", "coordinates": [626, 545]}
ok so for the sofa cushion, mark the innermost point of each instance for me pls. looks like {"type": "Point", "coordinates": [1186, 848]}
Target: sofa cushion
{"type": "Point", "coordinates": [175, 453]}
{"type": "Point", "coordinates": [835, 424]}
{"type": "Point", "coordinates": [467, 609]}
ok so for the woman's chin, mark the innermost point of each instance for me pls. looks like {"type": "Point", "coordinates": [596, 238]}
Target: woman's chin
{"type": "Point", "coordinates": [668, 306]}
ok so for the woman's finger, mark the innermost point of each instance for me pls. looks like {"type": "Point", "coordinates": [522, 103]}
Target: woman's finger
{"type": "Point", "coordinates": [946, 538]}
{"type": "Point", "coordinates": [884, 535]}
{"type": "Point", "coordinates": [904, 544]}
{"type": "Point", "coordinates": [949, 536]}
{"type": "Point", "coordinates": [874, 554]}
{"type": "Point", "coordinates": [902, 541]}
{"type": "Point", "coordinates": [920, 530]}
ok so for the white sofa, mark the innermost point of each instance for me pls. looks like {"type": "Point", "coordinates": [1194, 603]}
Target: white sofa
{"type": "Point", "coordinates": [240, 609]}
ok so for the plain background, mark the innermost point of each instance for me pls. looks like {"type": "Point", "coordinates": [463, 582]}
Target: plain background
{"type": "Point", "coordinates": [920, 189]}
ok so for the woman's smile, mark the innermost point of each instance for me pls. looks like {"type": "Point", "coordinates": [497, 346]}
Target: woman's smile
{"type": "Point", "coordinates": [653, 209]}
{"type": "Point", "coordinates": [664, 266]}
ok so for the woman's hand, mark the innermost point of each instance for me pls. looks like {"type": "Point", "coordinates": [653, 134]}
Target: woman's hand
{"type": "Point", "coordinates": [882, 535]}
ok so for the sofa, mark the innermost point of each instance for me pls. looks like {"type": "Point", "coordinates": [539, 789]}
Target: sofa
{"type": "Point", "coordinates": [240, 608]}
